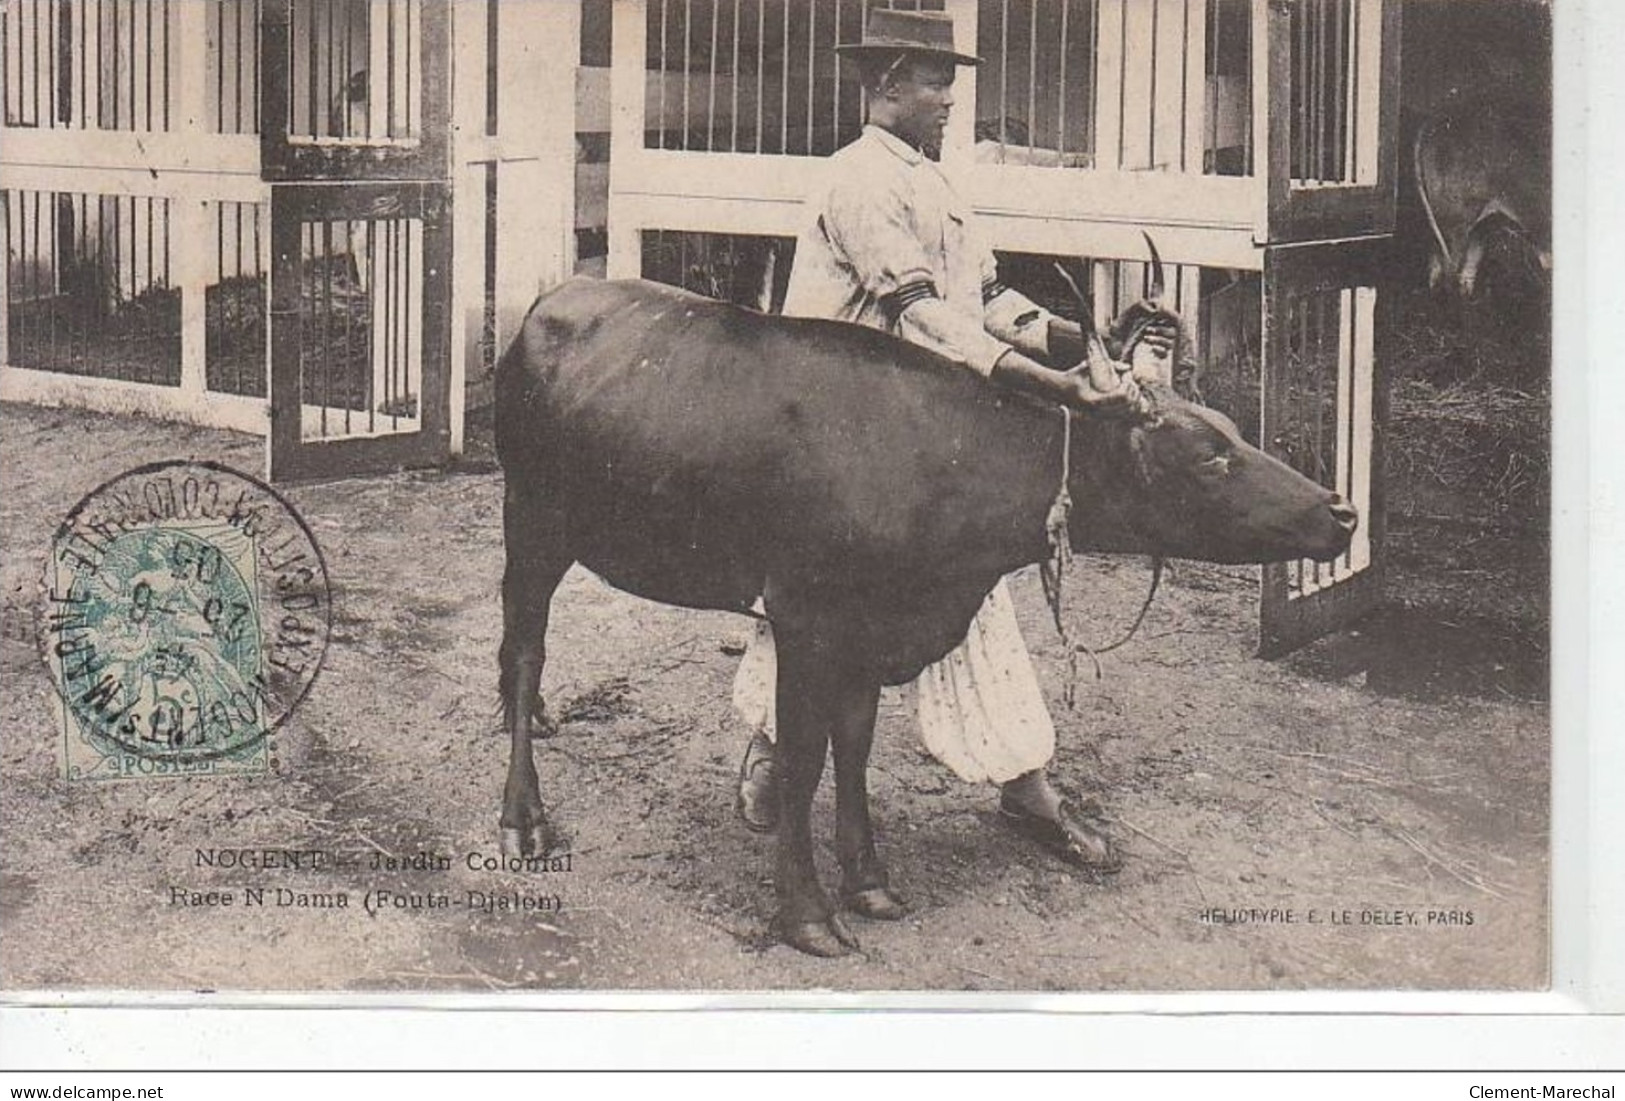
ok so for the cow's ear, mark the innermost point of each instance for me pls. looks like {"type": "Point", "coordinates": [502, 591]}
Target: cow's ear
{"type": "Point", "coordinates": [1148, 411]}
{"type": "Point", "coordinates": [1147, 417]}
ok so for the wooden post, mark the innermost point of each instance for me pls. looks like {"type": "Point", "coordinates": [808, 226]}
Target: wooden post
{"type": "Point", "coordinates": [387, 251]}
{"type": "Point", "coordinates": [959, 143]}
{"type": "Point", "coordinates": [378, 73]}
{"type": "Point", "coordinates": [533, 156]}
{"type": "Point", "coordinates": [627, 84]}
{"type": "Point", "coordinates": [1194, 79]}
{"type": "Point", "coordinates": [1102, 292]}
{"type": "Point", "coordinates": [467, 317]}
{"type": "Point", "coordinates": [468, 38]}
{"type": "Point", "coordinates": [1165, 110]}
{"type": "Point", "coordinates": [1362, 310]}
{"type": "Point", "coordinates": [5, 270]}
{"type": "Point", "coordinates": [416, 349]}
{"type": "Point", "coordinates": [1271, 64]}
{"type": "Point", "coordinates": [1369, 89]}
{"type": "Point", "coordinates": [1187, 293]}
{"type": "Point", "coordinates": [189, 67]}
{"type": "Point", "coordinates": [6, 193]}
{"type": "Point", "coordinates": [1108, 92]}
{"type": "Point", "coordinates": [538, 49]}
{"type": "Point", "coordinates": [191, 229]}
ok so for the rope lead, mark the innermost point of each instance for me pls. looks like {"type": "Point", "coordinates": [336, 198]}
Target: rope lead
{"type": "Point", "coordinates": [1052, 572]}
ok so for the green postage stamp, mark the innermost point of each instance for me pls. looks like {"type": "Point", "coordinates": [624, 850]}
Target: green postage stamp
{"type": "Point", "coordinates": [187, 613]}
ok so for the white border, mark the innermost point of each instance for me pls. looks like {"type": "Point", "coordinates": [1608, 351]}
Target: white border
{"type": "Point", "coordinates": [1581, 1023]}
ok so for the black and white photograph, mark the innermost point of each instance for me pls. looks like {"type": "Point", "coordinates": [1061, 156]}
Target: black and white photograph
{"type": "Point", "coordinates": [776, 495]}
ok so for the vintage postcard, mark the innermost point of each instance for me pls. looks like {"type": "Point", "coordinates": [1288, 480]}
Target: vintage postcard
{"type": "Point", "coordinates": [996, 495]}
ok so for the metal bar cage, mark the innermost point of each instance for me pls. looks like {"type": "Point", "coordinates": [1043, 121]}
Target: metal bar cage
{"type": "Point", "coordinates": [360, 326]}
{"type": "Point", "coordinates": [749, 270]}
{"type": "Point", "coordinates": [88, 286]}
{"type": "Point", "coordinates": [233, 75]}
{"type": "Point", "coordinates": [1121, 85]}
{"type": "Point", "coordinates": [236, 299]}
{"type": "Point", "coordinates": [355, 70]}
{"type": "Point", "coordinates": [116, 64]}
{"type": "Point", "coordinates": [1114, 84]}
{"type": "Point", "coordinates": [1327, 41]}
{"type": "Point", "coordinates": [753, 76]}
{"type": "Point", "coordinates": [95, 288]}
{"type": "Point", "coordinates": [90, 64]}
{"type": "Point", "coordinates": [1325, 394]}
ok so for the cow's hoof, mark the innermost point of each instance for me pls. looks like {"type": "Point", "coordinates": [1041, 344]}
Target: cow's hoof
{"type": "Point", "coordinates": [830, 938]}
{"type": "Point", "coordinates": [532, 841]}
{"type": "Point", "coordinates": [875, 903]}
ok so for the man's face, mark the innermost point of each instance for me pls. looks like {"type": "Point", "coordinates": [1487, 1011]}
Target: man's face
{"type": "Point", "coordinates": [923, 94]}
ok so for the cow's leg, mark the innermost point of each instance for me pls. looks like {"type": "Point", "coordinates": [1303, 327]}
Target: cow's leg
{"type": "Point", "coordinates": [809, 683]}
{"type": "Point", "coordinates": [1472, 259]}
{"type": "Point", "coordinates": [864, 886]}
{"type": "Point", "coordinates": [537, 558]}
{"type": "Point", "coordinates": [1438, 270]}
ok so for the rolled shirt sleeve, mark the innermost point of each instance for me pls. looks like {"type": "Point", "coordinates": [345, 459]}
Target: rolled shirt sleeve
{"type": "Point", "coordinates": [1016, 319]}
{"type": "Point", "coordinates": [1008, 314]}
{"type": "Point", "coordinates": [932, 323]}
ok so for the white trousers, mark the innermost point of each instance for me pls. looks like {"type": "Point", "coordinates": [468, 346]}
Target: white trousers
{"type": "Point", "coordinates": [980, 709]}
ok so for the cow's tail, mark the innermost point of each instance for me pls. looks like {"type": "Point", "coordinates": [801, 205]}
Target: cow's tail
{"type": "Point", "coordinates": [510, 396]}
{"type": "Point", "coordinates": [517, 391]}
{"type": "Point", "coordinates": [1423, 134]}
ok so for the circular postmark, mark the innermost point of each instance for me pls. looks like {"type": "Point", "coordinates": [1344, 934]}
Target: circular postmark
{"type": "Point", "coordinates": [187, 612]}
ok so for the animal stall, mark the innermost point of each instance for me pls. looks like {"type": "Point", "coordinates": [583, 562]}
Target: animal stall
{"type": "Point", "coordinates": [239, 212]}
{"type": "Point", "coordinates": [1253, 139]}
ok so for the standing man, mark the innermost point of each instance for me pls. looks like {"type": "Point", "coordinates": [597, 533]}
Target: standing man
{"type": "Point", "coordinates": [892, 246]}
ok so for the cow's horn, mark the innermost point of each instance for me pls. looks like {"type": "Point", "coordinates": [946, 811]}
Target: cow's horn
{"type": "Point", "coordinates": [1102, 375]}
{"type": "Point", "coordinates": [1158, 284]}
{"type": "Point", "coordinates": [1086, 308]}
{"type": "Point", "coordinates": [1102, 371]}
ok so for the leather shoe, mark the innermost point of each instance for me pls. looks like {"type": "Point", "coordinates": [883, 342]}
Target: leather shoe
{"type": "Point", "coordinates": [758, 802]}
{"type": "Point", "coordinates": [1066, 835]}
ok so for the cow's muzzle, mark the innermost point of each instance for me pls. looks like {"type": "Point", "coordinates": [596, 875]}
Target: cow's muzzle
{"type": "Point", "coordinates": [1336, 537]}
{"type": "Point", "coordinates": [1346, 516]}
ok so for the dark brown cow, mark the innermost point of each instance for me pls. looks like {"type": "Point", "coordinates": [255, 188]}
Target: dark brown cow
{"type": "Point", "coordinates": [872, 493]}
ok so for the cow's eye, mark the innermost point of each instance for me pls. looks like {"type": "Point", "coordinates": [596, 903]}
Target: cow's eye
{"type": "Point", "coordinates": [1216, 466]}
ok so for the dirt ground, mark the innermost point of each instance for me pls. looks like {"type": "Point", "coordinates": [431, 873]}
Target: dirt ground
{"type": "Point", "coordinates": [1393, 775]}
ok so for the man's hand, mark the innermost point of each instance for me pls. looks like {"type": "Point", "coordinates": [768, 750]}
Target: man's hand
{"type": "Point", "coordinates": [1108, 391]}
{"type": "Point", "coordinates": [1145, 322]}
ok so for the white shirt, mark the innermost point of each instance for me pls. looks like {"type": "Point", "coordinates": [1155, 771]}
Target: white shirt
{"type": "Point", "coordinates": [889, 219]}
